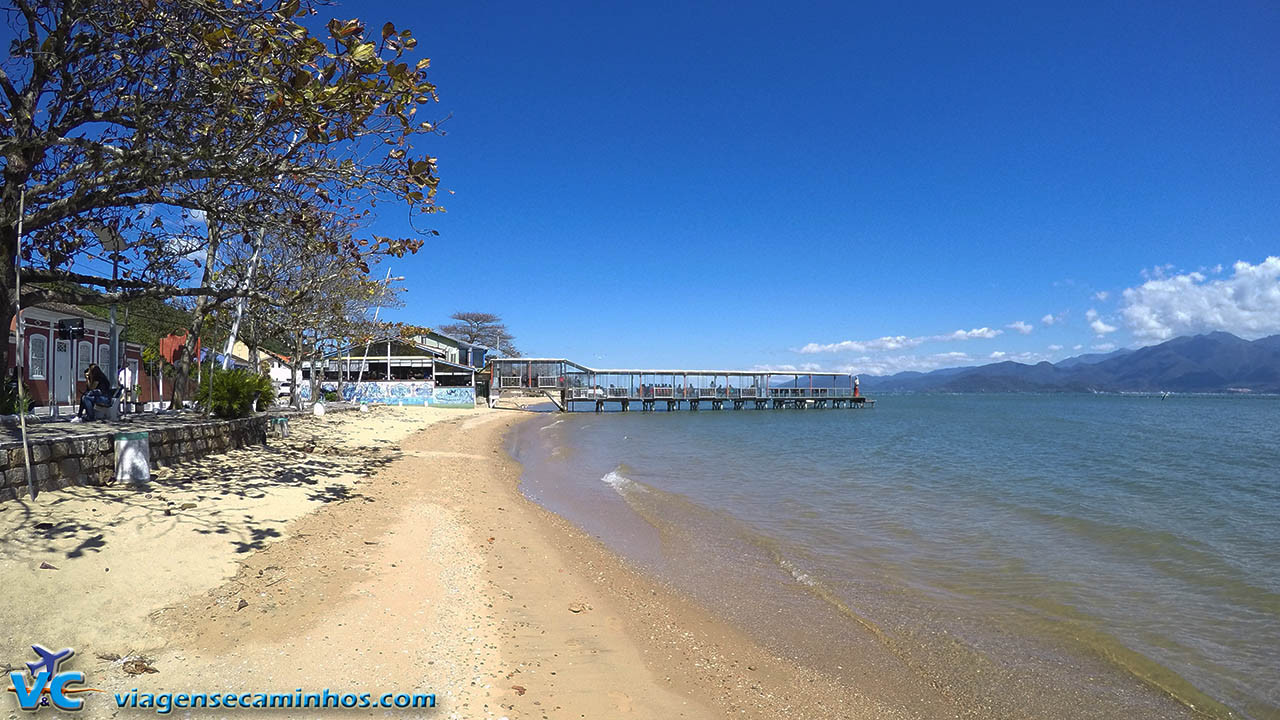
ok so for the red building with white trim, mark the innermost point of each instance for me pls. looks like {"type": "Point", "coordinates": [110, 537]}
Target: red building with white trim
{"type": "Point", "coordinates": [54, 363]}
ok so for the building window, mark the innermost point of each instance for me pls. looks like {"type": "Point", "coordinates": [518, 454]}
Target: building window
{"type": "Point", "coordinates": [104, 354]}
{"type": "Point", "coordinates": [38, 361]}
{"type": "Point", "coordinates": [84, 358]}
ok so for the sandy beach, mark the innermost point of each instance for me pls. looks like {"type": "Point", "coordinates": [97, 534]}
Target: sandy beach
{"type": "Point", "coordinates": [380, 552]}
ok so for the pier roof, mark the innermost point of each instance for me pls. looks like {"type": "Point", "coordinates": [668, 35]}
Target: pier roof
{"type": "Point", "coordinates": [647, 371]}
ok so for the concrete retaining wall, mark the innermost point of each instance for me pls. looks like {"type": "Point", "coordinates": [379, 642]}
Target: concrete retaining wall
{"type": "Point", "coordinates": [89, 459]}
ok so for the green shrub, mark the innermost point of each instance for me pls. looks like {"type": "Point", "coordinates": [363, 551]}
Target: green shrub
{"type": "Point", "coordinates": [9, 400]}
{"type": "Point", "coordinates": [331, 396]}
{"type": "Point", "coordinates": [229, 393]}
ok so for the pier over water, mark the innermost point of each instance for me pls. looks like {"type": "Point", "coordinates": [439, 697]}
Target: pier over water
{"type": "Point", "coordinates": [571, 385]}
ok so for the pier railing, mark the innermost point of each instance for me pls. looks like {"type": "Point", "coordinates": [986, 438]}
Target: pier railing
{"type": "Point", "coordinates": [574, 382]}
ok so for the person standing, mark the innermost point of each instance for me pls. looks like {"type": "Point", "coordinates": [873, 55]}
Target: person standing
{"type": "Point", "coordinates": [125, 380]}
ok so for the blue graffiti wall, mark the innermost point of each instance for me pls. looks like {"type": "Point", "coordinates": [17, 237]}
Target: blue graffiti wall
{"type": "Point", "coordinates": [404, 392]}
{"type": "Point", "coordinates": [461, 397]}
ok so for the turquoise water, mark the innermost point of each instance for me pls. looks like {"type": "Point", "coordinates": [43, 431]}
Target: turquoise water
{"type": "Point", "coordinates": [1085, 556]}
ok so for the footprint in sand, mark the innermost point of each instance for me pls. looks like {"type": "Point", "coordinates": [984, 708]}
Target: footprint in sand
{"type": "Point", "coordinates": [621, 699]}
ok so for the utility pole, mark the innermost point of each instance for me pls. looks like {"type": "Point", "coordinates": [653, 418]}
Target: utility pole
{"type": "Point", "coordinates": [17, 361]}
{"type": "Point", "coordinates": [365, 361]}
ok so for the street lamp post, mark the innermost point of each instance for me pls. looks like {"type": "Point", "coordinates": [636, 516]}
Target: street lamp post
{"type": "Point", "coordinates": [113, 243]}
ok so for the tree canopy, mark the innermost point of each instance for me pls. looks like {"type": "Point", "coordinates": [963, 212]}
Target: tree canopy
{"type": "Point", "coordinates": [190, 137]}
{"type": "Point", "coordinates": [484, 329]}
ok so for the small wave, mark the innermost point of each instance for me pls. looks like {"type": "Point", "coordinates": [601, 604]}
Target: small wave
{"type": "Point", "coordinates": [621, 483]}
{"type": "Point", "coordinates": [548, 427]}
{"type": "Point", "coordinates": [803, 578]}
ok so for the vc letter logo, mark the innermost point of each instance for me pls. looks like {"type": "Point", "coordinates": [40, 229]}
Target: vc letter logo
{"type": "Point", "coordinates": [48, 684]}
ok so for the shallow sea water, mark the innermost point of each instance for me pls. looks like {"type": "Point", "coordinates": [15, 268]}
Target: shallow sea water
{"type": "Point", "coordinates": [1022, 553]}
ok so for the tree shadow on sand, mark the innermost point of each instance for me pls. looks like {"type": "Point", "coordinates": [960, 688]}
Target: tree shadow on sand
{"type": "Point", "coordinates": [205, 493]}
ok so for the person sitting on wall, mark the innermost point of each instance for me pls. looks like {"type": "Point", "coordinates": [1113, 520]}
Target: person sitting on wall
{"type": "Point", "coordinates": [98, 394]}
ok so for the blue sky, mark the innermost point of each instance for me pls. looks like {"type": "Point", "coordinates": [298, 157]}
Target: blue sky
{"type": "Point", "coordinates": [726, 184]}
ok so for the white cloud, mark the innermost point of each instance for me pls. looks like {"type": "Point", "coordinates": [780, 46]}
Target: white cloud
{"type": "Point", "coordinates": [984, 333]}
{"type": "Point", "coordinates": [1055, 348]}
{"type": "Point", "coordinates": [1101, 295]}
{"type": "Point", "coordinates": [1158, 272]}
{"type": "Point", "coordinates": [788, 367]}
{"type": "Point", "coordinates": [1097, 324]}
{"type": "Point", "coordinates": [888, 365]}
{"type": "Point", "coordinates": [890, 343]}
{"type": "Point", "coordinates": [1029, 358]}
{"type": "Point", "coordinates": [1246, 302]}
{"type": "Point", "coordinates": [887, 343]}
{"type": "Point", "coordinates": [1051, 319]}
{"type": "Point", "coordinates": [1077, 347]}
{"type": "Point", "coordinates": [1022, 327]}
{"type": "Point", "coordinates": [1105, 347]}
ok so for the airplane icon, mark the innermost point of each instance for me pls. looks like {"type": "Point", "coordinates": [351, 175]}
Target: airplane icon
{"type": "Point", "coordinates": [49, 660]}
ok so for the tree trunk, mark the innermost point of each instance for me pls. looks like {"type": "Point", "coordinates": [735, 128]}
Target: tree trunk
{"type": "Point", "coordinates": [255, 359]}
{"type": "Point", "coordinates": [6, 317]}
{"type": "Point", "coordinates": [183, 375]}
{"type": "Point", "coordinates": [8, 283]}
{"type": "Point", "coordinates": [295, 396]}
{"type": "Point", "coordinates": [315, 379]}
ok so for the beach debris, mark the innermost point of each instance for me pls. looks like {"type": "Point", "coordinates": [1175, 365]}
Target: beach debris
{"type": "Point", "coordinates": [109, 657]}
{"type": "Point", "coordinates": [491, 539]}
{"type": "Point", "coordinates": [242, 604]}
{"type": "Point", "coordinates": [168, 511]}
{"type": "Point", "coordinates": [186, 506]}
{"type": "Point", "coordinates": [519, 689]}
{"type": "Point", "coordinates": [44, 526]}
{"type": "Point", "coordinates": [139, 667]}
{"type": "Point", "coordinates": [577, 607]}
{"type": "Point", "coordinates": [47, 566]}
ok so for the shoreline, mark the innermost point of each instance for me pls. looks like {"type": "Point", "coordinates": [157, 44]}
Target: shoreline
{"type": "Point", "coordinates": [397, 551]}
{"type": "Point", "coordinates": [859, 653]}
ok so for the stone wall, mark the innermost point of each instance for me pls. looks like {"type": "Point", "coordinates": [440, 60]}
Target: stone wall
{"type": "Point", "coordinates": [89, 459]}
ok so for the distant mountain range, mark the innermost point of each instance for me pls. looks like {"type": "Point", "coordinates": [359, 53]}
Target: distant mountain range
{"type": "Point", "coordinates": [1215, 362]}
